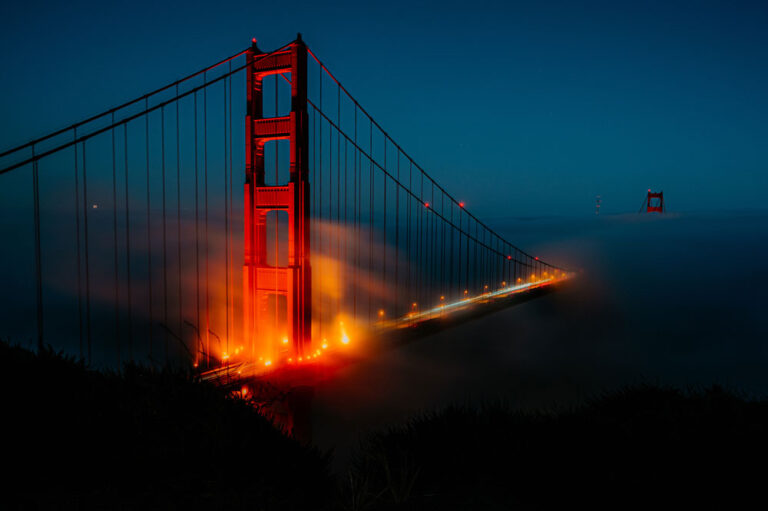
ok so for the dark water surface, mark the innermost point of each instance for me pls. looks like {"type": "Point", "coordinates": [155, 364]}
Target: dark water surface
{"type": "Point", "coordinates": [677, 299]}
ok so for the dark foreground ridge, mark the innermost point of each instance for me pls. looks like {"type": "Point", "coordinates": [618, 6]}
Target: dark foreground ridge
{"type": "Point", "coordinates": [643, 447]}
{"type": "Point", "coordinates": [76, 438]}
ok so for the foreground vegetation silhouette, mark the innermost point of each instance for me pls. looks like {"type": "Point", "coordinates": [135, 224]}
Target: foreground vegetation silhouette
{"type": "Point", "coordinates": [78, 438]}
{"type": "Point", "coordinates": [144, 439]}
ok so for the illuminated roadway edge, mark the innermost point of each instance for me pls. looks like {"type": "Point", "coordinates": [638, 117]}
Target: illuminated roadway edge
{"type": "Point", "coordinates": [234, 373]}
{"type": "Point", "coordinates": [440, 310]}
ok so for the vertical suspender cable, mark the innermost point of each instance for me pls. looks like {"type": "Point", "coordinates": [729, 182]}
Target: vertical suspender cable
{"type": "Point", "coordinates": [370, 212]}
{"type": "Point", "coordinates": [205, 207]}
{"type": "Point", "coordinates": [149, 235]}
{"type": "Point", "coordinates": [460, 250]}
{"type": "Point", "coordinates": [319, 241]}
{"type": "Point", "coordinates": [330, 184]}
{"type": "Point", "coordinates": [338, 193]}
{"type": "Point", "coordinates": [419, 214]}
{"type": "Point", "coordinates": [408, 281]}
{"type": "Point", "coordinates": [226, 230]}
{"type": "Point", "coordinates": [442, 245]}
{"type": "Point", "coordinates": [128, 245]}
{"type": "Point", "coordinates": [87, 265]}
{"type": "Point", "coordinates": [466, 258]}
{"type": "Point", "coordinates": [114, 244]}
{"type": "Point", "coordinates": [319, 150]}
{"type": "Point", "coordinates": [231, 197]}
{"type": "Point", "coordinates": [433, 242]}
{"type": "Point", "coordinates": [475, 260]}
{"type": "Point", "coordinates": [314, 165]}
{"type": "Point", "coordinates": [329, 219]}
{"type": "Point", "coordinates": [79, 258]}
{"type": "Point", "coordinates": [198, 346]}
{"type": "Point", "coordinates": [451, 268]}
{"type": "Point", "coordinates": [484, 259]}
{"type": "Point", "coordinates": [357, 234]}
{"type": "Point", "coordinates": [397, 239]}
{"type": "Point", "coordinates": [345, 227]}
{"type": "Point", "coordinates": [384, 248]}
{"type": "Point", "coordinates": [165, 232]}
{"type": "Point", "coordinates": [38, 255]}
{"type": "Point", "coordinates": [433, 260]}
{"type": "Point", "coordinates": [426, 220]}
{"type": "Point", "coordinates": [178, 213]}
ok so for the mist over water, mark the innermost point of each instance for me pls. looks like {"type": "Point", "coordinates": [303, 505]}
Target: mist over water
{"type": "Point", "coordinates": [676, 299]}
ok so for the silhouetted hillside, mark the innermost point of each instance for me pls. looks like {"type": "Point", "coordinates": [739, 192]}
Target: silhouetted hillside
{"type": "Point", "coordinates": [644, 447]}
{"type": "Point", "coordinates": [78, 438]}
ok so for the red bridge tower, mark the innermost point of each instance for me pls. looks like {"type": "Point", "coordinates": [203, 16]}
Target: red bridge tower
{"type": "Point", "coordinates": [655, 202]}
{"type": "Point", "coordinates": [262, 281]}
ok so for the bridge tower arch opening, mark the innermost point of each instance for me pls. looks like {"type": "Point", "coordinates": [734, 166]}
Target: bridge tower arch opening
{"type": "Point", "coordinates": [267, 283]}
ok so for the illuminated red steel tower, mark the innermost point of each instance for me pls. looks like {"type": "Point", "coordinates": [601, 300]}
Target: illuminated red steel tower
{"type": "Point", "coordinates": [261, 280]}
{"type": "Point", "coordinates": [655, 202]}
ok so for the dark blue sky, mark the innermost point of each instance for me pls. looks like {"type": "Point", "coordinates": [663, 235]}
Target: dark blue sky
{"type": "Point", "coordinates": [520, 109]}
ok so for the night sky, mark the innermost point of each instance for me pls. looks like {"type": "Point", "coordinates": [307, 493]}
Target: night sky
{"type": "Point", "coordinates": [518, 108]}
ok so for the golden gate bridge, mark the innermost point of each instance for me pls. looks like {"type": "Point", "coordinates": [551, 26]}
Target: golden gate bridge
{"type": "Point", "coordinates": [133, 241]}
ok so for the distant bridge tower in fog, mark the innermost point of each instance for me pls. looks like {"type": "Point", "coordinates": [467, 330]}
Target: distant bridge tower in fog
{"type": "Point", "coordinates": [597, 205]}
{"type": "Point", "coordinates": [654, 202]}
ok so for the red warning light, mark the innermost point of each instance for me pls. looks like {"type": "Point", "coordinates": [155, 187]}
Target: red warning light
{"type": "Point", "coordinates": [426, 204]}
{"type": "Point", "coordinates": [509, 257]}
{"type": "Point", "coordinates": [461, 204]}
{"type": "Point", "coordinates": [536, 258]}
